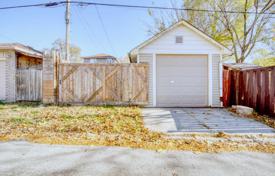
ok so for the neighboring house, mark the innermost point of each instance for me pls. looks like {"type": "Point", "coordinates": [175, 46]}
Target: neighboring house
{"type": "Point", "coordinates": [184, 67]}
{"type": "Point", "coordinates": [100, 59]}
{"type": "Point", "coordinates": [15, 56]}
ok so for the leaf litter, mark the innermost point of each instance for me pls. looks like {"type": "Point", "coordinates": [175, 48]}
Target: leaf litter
{"type": "Point", "coordinates": [103, 126]}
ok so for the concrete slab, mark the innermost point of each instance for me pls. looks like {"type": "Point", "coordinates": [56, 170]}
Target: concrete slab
{"type": "Point", "coordinates": [28, 159]}
{"type": "Point", "coordinates": [211, 120]}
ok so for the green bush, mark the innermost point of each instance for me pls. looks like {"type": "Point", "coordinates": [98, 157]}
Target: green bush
{"type": "Point", "coordinates": [265, 62]}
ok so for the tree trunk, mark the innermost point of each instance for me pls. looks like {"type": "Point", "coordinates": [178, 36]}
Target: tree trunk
{"type": "Point", "coordinates": [240, 60]}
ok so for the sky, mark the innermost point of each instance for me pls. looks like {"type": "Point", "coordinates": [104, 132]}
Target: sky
{"type": "Point", "coordinates": [39, 27]}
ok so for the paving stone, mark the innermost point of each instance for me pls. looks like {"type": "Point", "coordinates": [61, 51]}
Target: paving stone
{"type": "Point", "coordinates": [200, 120]}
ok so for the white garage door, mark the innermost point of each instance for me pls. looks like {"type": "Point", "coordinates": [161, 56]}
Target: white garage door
{"type": "Point", "coordinates": [2, 80]}
{"type": "Point", "coordinates": [182, 80]}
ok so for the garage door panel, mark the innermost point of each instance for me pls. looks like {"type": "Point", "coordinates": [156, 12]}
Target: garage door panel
{"type": "Point", "coordinates": [191, 65]}
{"type": "Point", "coordinates": [182, 90]}
{"type": "Point", "coordinates": [182, 80]}
{"type": "Point", "coordinates": [192, 80]}
{"type": "Point", "coordinates": [194, 61]}
{"type": "Point", "coordinates": [185, 71]}
{"type": "Point", "coordinates": [181, 101]}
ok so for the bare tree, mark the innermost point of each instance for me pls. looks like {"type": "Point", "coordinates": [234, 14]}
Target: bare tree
{"type": "Point", "coordinates": [240, 31]}
{"type": "Point", "coordinates": [59, 45]}
{"type": "Point", "coordinates": [206, 22]}
{"type": "Point", "coordinates": [245, 29]}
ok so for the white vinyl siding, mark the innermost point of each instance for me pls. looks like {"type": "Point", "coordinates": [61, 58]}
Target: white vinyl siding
{"type": "Point", "coordinates": [192, 43]}
{"type": "Point", "coordinates": [216, 80]}
{"type": "Point", "coordinates": [148, 58]}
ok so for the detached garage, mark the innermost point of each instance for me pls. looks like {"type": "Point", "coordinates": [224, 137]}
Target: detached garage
{"type": "Point", "coordinates": [14, 57]}
{"type": "Point", "coordinates": [185, 67]}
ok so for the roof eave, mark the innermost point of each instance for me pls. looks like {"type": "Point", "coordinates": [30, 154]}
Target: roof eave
{"type": "Point", "coordinates": [31, 53]}
{"type": "Point", "coordinates": [39, 56]}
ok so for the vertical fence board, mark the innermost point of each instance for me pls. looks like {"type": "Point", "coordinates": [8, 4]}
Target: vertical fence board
{"type": "Point", "coordinates": [272, 91]}
{"type": "Point", "coordinates": [28, 85]}
{"type": "Point", "coordinates": [262, 99]}
{"type": "Point", "coordinates": [226, 87]}
{"type": "Point", "coordinates": [267, 97]}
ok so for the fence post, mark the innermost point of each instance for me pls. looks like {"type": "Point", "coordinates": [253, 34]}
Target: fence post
{"type": "Point", "coordinates": [226, 87]}
{"type": "Point", "coordinates": [49, 78]}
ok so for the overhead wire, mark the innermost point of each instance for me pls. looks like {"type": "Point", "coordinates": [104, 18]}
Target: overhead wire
{"type": "Point", "coordinates": [104, 30]}
{"type": "Point", "coordinates": [88, 29]}
{"type": "Point", "coordinates": [84, 3]}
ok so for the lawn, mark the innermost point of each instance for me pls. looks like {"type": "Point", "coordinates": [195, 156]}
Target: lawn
{"type": "Point", "coordinates": [105, 126]}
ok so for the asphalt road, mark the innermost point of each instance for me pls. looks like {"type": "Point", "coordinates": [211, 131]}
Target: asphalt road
{"type": "Point", "coordinates": [28, 159]}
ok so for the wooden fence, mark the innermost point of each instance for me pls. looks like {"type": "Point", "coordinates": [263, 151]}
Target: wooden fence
{"type": "Point", "coordinates": [115, 84]}
{"type": "Point", "coordinates": [253, 87]}
{"type": "Point", "coordinates": [28, 85]}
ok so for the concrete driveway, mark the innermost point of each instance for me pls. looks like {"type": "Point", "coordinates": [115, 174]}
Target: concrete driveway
{"type": "Point", "coordinates": [28, 159]}
{"type": "Point", "coordinates": [171, 120]}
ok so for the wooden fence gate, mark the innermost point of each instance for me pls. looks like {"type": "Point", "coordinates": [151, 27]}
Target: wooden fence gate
{"type": "Point", "coordinates": [28, 85]}
{"type": "Point", "coordinates": [115, 84]}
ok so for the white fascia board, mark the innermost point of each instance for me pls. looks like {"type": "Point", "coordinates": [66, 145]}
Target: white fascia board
{"type": "Point", "coordinates": [154, 80]}
{"type": "Point", "coordinates": [210, 79]}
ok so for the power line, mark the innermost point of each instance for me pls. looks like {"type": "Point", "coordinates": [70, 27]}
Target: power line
{"type": "Point", "coordinates": [83, 3]}
{"type": "Point", "coordinates": [51, 4]}
{"type": "Point", "coordinates": [88, 28]}
{"type": "Point", "coordinates": [104, 29]}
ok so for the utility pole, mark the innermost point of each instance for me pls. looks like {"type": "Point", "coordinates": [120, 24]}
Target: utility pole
{"type": "Point", "coordinates": [67, 20]}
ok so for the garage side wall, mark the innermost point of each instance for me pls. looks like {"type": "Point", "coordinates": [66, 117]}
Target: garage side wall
{"type": "Point", "coordinates": [216, 80]}
{"type": "Point", "coordinates": [10, 74]}
{"type": "Point", "coordinates": [148, 58]}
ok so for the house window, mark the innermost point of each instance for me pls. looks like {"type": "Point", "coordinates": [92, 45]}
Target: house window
{"type": "Point", "coordinates": [179, 39]}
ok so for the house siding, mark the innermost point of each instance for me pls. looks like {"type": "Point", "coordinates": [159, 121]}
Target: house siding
{"type": "Point", "coordinates": [2, 77]}
{"type": "Point", "coordinates": [216, 80]}
{"type": "Point", "coordinates": [192, 43]}
{"type": "Point", "coordinates": [148, 58]}
{"type": "Point", "coordinates": [10, 67]}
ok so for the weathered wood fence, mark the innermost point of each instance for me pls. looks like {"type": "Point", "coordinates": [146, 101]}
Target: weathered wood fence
{"type": "Point", "coordinates": [28, 85]}
{"type": "Point", "coordinates": [253, 87]}
{"type": "Point", "coordinates": [115, 84]}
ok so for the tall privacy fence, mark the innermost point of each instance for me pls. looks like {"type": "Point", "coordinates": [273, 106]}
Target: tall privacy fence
{"type": "Point", "coordinates": [251, 87]}
{"type": "Point", "coordinates": [95, 84]}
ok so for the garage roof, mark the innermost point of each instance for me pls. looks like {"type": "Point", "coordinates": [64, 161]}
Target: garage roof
{"type": "Point", "coordinates": [22, 49]}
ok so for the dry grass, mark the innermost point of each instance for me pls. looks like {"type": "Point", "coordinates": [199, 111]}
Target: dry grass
{"type": "Point", "coordinates": [108, 126]}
